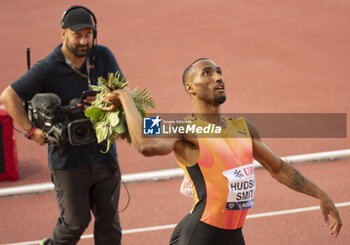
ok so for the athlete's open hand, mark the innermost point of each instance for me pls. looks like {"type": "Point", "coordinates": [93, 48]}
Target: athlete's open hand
{"type": "Point", "coordinates": [328, 208]}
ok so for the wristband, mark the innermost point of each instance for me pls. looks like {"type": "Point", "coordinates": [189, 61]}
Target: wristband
{"type": "Point", "coordinates": [30, 134]}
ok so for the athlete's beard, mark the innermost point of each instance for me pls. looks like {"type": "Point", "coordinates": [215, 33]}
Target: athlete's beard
{"type": "Point", "coordinates": [220, 99]}
{"type": "Point", "coordinates": [78, 52]}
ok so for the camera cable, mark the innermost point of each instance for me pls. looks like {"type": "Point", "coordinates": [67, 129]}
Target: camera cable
{"type": "Point", "coordinates": [128, 194]}
{"type": "Point", "coordinates": [16, 129]}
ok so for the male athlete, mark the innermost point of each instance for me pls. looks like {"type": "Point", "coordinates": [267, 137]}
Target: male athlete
{"type": "Point", "coordinates": [220, 168]}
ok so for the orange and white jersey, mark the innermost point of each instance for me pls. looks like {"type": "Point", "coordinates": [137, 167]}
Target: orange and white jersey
{"type": "Point", "coordinates": [223, 177]}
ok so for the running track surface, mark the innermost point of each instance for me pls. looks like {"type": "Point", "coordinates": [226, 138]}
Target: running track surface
{"type": "Point", "coordinates": [289, 56]}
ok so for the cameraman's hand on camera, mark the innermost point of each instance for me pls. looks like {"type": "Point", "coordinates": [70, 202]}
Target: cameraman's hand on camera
{"type": "Point", "coordinates": [38, 136]}
{"type": "Point", "coordinates": [88, 100]}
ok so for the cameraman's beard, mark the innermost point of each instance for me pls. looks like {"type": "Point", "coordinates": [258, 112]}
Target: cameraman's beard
{"type": "Point", "coordinates": [79, 52]}
{"type": "Point", "coordinates": [220, 99]}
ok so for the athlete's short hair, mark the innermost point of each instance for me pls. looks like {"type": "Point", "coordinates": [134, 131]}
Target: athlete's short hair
{"type": "Point", "coordinates": [188, 69]}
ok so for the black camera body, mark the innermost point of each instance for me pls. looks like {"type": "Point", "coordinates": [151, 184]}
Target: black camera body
{"type": "Point", "coordinates": [46, 113]}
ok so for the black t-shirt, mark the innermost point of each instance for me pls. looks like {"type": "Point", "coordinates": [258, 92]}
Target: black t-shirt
{"type": "Point", "coordinates": [53, 75]}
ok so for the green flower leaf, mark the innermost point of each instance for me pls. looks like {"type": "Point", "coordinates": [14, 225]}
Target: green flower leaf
{"type": "Point", "coordinates": [121, 127]}
{"type": "Point", "coordinates": [101, 132]}
{"type": "Point", "coordinates": [113, 117]}
{"type": "Point", "coordinates": [95, 113]}
{"type": "Point", "coordinates": [112, 125]}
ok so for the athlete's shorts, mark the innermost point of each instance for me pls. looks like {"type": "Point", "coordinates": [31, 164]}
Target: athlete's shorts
{"type": "Point", "coordinates": [192, 231]}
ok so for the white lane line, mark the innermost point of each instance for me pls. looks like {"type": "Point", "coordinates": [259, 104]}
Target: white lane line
{"type": "Point", "coordinates": [167, 174]}
{"type": "Point", "coordinates": [292, 211]}
{"type": "Point", "coordinates": [171, 226]}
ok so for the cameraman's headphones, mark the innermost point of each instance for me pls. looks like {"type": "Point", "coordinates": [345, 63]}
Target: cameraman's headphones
{"type": "Point", "coordinates": [88, 10]}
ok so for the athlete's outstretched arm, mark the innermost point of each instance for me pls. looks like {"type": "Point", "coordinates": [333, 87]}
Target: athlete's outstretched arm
{"type": "Point", "coordinates": [147, 146]}
{"type": "Point", "coordinates": [288, 175]}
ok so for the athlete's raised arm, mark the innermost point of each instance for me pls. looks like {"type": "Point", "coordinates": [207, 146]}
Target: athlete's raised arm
{"type": "Point", "coordinates": [147, 146]}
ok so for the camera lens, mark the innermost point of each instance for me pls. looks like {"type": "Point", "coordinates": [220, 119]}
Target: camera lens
{"type": "Point", "coordinates": [81, 132]}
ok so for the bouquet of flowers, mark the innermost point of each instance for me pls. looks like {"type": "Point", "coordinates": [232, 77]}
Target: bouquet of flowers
{"type": "Point", "coordinates": [111, 125]}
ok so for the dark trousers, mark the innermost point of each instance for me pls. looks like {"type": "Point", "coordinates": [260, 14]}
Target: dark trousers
{"type": "Point", "coordinates": [80, 190]}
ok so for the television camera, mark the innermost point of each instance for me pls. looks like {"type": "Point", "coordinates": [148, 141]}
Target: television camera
{"type": "Point", "coordinates": [46, 113]}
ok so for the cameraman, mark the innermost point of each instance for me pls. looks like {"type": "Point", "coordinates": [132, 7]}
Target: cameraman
{"type": "Point", "coordinates": [85, 179]}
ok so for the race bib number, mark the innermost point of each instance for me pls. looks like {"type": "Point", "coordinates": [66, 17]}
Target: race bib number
{"type": "Point", "coordinates": [241, 185]}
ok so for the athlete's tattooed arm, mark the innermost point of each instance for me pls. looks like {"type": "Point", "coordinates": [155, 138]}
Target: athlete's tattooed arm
{"type": "Point", "coordinates": [292, 178]}
{"type": "Point", "coordinates": [284, 172]}
{"type": "Point", "coordinates": [298, 182]}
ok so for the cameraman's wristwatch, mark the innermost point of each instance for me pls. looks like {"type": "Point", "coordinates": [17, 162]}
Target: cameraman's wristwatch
{"type": "Point", "coordinates": [30, 134]}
